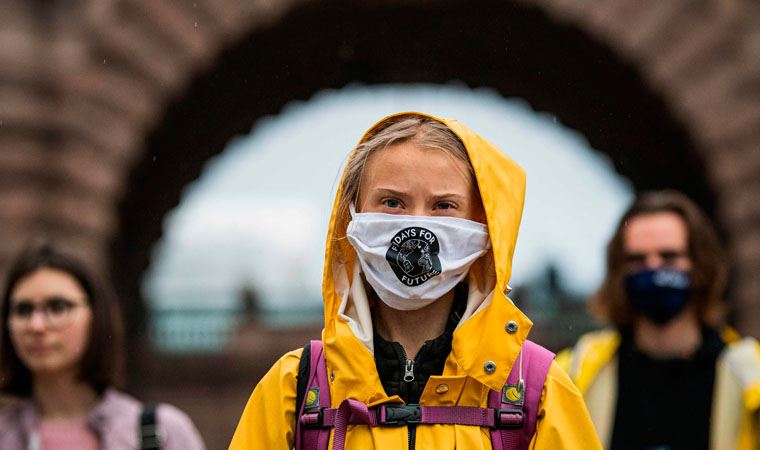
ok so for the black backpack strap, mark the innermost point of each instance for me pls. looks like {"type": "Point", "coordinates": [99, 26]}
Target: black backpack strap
{"type": "Point", "coordinates": [149, 436]}
{"type": "Point", "coordinates": [302, 379]}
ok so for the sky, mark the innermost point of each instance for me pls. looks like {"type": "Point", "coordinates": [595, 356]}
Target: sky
{"type": "Point", "coordinates": [258, 214]}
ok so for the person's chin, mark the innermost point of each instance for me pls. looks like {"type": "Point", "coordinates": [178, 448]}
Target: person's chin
{"type": "Point", "coordinates": [47, 363]}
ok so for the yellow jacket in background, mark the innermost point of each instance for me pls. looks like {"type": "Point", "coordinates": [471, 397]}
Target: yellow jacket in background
{"type": "Point", "coordinates": [735, 421]}
{"type": "Point", "coordinates": [268, 421]}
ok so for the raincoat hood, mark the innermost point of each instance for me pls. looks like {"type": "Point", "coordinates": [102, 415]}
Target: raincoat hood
{"type": "Point", "coordinates": [482, 335]}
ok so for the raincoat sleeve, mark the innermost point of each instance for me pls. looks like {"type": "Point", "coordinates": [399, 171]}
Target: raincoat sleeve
{"type": "Point", "coordinates": [268, 421]}
{"type": "Point", "coordinates": [563, 421]}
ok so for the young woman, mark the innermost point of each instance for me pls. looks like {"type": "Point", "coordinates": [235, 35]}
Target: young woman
{"type": "Point", "coordinates": [60, 352]}
{"type": "Point", "coordinates": [419, 335]}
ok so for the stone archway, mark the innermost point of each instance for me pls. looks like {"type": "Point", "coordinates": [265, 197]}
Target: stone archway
{"type": "Point", "coordinates": [109, 107]}
{"type": "Point", "coordinates": [556, 67]}
{"type": "Point", "coordinates": [83, 82]}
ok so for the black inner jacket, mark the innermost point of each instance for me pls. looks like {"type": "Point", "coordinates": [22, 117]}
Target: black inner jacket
{"type": "Point", "coordinates": [391, 360]}
{"type": "Point", "coordinates": [665, 404]}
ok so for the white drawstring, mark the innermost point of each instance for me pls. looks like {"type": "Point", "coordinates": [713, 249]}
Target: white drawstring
{"type": "Point", "coordinates": [521, 382]}
{"type": "Point", "coordinates": [34, 442]}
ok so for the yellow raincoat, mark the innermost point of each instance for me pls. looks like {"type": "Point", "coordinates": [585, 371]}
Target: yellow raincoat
{"type": "Point", "coordinates": [735, 422]}
{"type": "Point", "coordinates": [268, 421]}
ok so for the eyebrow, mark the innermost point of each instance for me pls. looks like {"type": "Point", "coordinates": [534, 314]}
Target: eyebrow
{"type": "Point", "coordinates": [390, 191]}
{"type": "Point", "coordinates": [665, 253]}
{"type": "Point", "coordinates": [52, 298]}
{"type": "Point", "coordinates": [664, 250]}
{"type": "Point", "coordinates": [449, 195]}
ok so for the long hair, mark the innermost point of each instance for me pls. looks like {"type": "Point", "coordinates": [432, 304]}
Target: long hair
{"type": "Point", "coordinates": [102, 362]}
{"type": "Point", "coordinates": [709, 271]}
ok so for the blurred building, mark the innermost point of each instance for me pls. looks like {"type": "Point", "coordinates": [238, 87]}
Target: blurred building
{"type": "Point", "coordinates": [108, 108]}
{"type": "Point", "coordinates": [559, 316]}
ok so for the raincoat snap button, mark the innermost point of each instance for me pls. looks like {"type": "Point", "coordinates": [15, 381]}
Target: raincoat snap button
{"type": "Point", "coordinates": [332, 376]}
{"type": "Point", "coordinates": [489, 367]}
{"type": "Point", "coordinates": [511, 327]}
{"type": "Point", "coordinates": [442, 389]}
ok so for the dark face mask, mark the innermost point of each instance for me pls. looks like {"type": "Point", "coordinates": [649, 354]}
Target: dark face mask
{"type": "Point", "coordinates": [659, 294]}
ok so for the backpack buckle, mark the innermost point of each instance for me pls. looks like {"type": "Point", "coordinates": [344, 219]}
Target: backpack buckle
{"type": "Point", "coordinates": [508, 418]}
{"type": "Point", "coordinates": [312, 419]}
{"type": "Point", "coordinates": [398, 415]}
{"type": "Point", "coordinates": [151, 437]}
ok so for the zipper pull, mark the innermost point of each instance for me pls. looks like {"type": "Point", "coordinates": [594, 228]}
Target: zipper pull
{"type": "Point", "coordinates": [409, 370]}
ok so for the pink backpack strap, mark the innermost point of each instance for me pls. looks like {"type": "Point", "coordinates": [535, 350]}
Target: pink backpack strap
{"type": "Point", "coordinates": [511, 412]}
{"type": "Point", "coordinates": [521, 392]}
{"type": "Point", "coordinates": [316, 400]}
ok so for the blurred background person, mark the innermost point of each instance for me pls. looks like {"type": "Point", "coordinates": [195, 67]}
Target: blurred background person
{"type": "Point", "coordinates": [667, 376]}
{"type": "Point", "coordinates": [61, 354]}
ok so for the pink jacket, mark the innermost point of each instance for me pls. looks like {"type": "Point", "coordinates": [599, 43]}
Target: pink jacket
{"type": "Point", "coordinates": [115, 419]}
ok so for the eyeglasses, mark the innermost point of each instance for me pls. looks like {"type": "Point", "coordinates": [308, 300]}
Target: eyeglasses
{"type": "Point", "coordinates": [56, 311]}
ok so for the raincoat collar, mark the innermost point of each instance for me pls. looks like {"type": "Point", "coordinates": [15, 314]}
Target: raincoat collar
{"type": "Point", "coordinates": [492, 335]}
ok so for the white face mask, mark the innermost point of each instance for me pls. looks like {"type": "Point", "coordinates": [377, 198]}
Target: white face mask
{"type": "Point", "coordinates": [412, 261]}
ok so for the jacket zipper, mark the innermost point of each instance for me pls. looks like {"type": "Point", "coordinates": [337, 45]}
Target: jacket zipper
{"type": "Point", "coordinates": [409, 377]}
{"type": "Point", "coordinates": [409, 371]}
{"type": "Point", "coordinates": [412, 436]}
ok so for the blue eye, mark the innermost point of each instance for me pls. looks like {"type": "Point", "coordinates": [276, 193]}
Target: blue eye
{"type": "Point", "coordinates": [391, 203]}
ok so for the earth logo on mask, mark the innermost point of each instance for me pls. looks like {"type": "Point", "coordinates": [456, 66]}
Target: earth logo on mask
{"type": "Point", "coordinates": [413, 255]}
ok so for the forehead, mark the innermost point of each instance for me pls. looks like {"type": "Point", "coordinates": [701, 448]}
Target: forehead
{"type": "Point", "coordinates": [655, 231]}
{"type": "Point", "coordinates": [46, 282]}
{"type": "Point", "coordinates": [408, 161]}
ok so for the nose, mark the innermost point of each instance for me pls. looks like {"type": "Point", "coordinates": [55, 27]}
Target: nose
{"type": "Point", "coordinates": [418, 211]}
{"type": "Point", "coordinates": [37, 321]}
{"type": "Point", "coordinates": [653, 261]}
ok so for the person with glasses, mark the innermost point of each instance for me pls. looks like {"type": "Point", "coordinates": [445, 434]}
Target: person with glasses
{"type": "Point", "coordinates": [667, 375]}
{"type": "Point", "coordinates": [61, 354]}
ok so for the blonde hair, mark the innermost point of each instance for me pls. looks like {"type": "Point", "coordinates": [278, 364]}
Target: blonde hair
{"type": "Point", "coordinates": [420, 130]}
